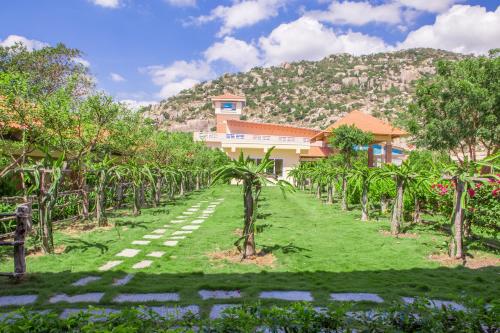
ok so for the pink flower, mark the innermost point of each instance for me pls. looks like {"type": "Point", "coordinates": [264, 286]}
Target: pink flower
{"type": "Point", "coordinates": [472, 193]}
{"type": "Point", "coordinates": [495, 192]}
{"type": "Point", "coordinates": [478, 185]}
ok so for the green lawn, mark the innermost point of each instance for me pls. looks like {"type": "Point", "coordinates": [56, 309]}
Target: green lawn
{"type": "Point", "coordinates": [317, 248]}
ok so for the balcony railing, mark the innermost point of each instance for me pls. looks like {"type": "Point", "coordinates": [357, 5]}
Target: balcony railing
{"type": "Point", "coordinates": [251, 138]}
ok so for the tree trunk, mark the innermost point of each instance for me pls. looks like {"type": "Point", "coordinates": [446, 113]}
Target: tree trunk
{"type": "Point", "coordinates": [119, 195]}
{"type": "Point", "coordinates": [384, 204]}
{"type": "Point", "coordinates": [197, 182]}
{"type": "Point", "coordinates": [364, 203]}
{"type": "Point", "coordinates": [142, 195]}
{"type": "Point", "coordinates": [417, 218]}
{"type": "Point", "coordinates": [85, 202]}
{"type": "Point", "coordinates": [137, 200]}
{"type": "Point", "coordinates": [100, 204]}
{"type": "Point", "coordinates": [181, 191]}
{"type": "Point", "coordinates": [456, 244]}
{"type": "Point", "coordinates": [23, 221]}
{"type": "Point", "coordinates": [44, 216]}
{"type": "Point", "coordinates": [248, 230]}
{"type": "Point", "coordinates": [397, 210]}
{"type": "Point", "coordinates": [344, 193]}
{"type": "Point", "coordinates": [318, 191]}
{"type": "Point", "coordinates": [330, 194]}
{"type": "Point", "coordinates": [157, 192]}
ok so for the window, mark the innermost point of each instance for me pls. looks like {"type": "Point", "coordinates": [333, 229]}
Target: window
{"type": "Point", "coordinates": [229, 106]}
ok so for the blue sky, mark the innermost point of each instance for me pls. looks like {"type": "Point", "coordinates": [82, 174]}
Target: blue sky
{"type": "Point", "coordinates": [147, 50]}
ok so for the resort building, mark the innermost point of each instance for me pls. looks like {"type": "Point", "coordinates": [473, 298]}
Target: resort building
{"type": "Point", "coordinates": [292, 144]}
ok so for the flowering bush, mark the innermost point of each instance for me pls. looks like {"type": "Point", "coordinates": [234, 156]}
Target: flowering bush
{"type": "Point", "coordinates": [484, 207]}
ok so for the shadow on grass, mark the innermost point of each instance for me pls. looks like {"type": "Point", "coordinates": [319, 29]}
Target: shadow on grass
{"type": "Point", "coordinates": [83, 246]}
{"type": "Point", "coordinates": [438, 283]}
{"type": "Point", "coordinates": [130, 224]}
{"type": "Point", "coordinates": [289, 248]}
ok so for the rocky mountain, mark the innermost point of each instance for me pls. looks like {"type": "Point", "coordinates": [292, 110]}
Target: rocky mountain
{"type": "Point", "coordinates": [308, 93]}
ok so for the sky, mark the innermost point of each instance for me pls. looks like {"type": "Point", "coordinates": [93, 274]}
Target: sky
{"type": "Point", "coordinates": [144, 51]}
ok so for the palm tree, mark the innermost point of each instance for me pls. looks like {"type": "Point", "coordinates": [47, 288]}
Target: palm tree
{"type": "Point", "coordinates": [362, 176]}
{"type": "Point", "coordinates": [253, 177]}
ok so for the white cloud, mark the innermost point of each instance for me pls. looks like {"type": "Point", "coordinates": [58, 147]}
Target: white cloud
{"type": "Point", "coordinates": [242, 14]}
{"type": "Point", "coordinates": [464, 29]}
{"type": "Point", "coordinates": [82, 61]}
{"type": "Point", "coordinates": [107, 3]}
{"type": "Point", "coordinates": [116, 77]}
{"type": "Point", "coordinates": [240, 54]}
{"type": "Point", "coordinates": [358, 13]}
{"type": "Point", "coordinates": [179, 76]}
{"type": "Point", "coordinates": [308, 39]}
{"type": "Point", "coordinates": [182, 3]}
{"type": "Point", "coordinates": [433, 6]}
{"type": "Point", "coordinates": [30, 44]}
{"type": "Point", "coordinates": [135, 104]}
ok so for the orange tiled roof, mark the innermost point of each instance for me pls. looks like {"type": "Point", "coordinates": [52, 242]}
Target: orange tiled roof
{"type": "Point", "coordinates": [228, 97]}
{"type": "Point", "coordinates": [318, 152]}
{"type": "Point", "coordinates": [366, 123]}
{"type": "Point", "coordinates": [248, 127]}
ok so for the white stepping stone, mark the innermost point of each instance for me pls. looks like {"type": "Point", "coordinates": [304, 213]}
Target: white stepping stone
{"type": "Point", "coordinates": [217, 310]}
{"type": "Point", "coordinates": [151, 297]}
{"type": "Point", "coordinates": [110, 264]}
{"type": "Point", "coordinates": [17, 300]}
{"type": "Point", "coordinates": [159, 231]}
{"type": "Point", "coordinates": [143, 264]}
{"type": "Point", "coordinates": [181, 232]}
{"type": "Point", "coordinates": [356, 297]}
{"type": "Point", "coordinates": [437, 304]}
{"type": "Point", "coordinates": [141, 242]}
{"type": "Point", "coordinates": [287, 295]}
{"type": "Point", "coordinates": [177, 237]}
{"type": "Point", "coordinates": [129, 253]}
{"type": "Point", "coordinates": [171, 243]}
{"type": "Point", "coordinates": [85, 281]}
{"type": "Point", "coordinates": [200, 221]}
{"type": "Point", "coordinates": [156, 254]}
{"type": "Point", "coordinates": [190, 227]}
{"type": "Point", "coordinates": [176, 313]}
{"type": "Point", "coordinates": [178, 221]}
{"type": "Point", "coordinates": [192, 209]}
{"type": "Point", "coordinates": [219, 294]}
{"type": "Point", "coordinates": [123, 281]}
{"type": "Point", "coordinates": [81, 298]}
{"type": "Point", "coordinates": [151, 236]}
{"type": "Point", "coordinates": [96, 315]}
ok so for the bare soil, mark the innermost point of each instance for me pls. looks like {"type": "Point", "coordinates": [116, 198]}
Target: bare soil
{"type": "Point", "coordinates": [77, 228]}
{"type": "Point", "coordinates": [475, 262]}
{"type": "Point", "coordinates": [37, 252]}
{"type": "Point", "coordinates": [401, 235]}
{"type": "Point", "coordinates": [262, 259]}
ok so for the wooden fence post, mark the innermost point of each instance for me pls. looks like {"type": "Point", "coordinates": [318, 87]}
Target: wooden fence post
{"type": "Point", "coordinates": [23, 219]}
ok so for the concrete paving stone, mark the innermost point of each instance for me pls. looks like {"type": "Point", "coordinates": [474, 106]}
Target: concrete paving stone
{"type": "Point", "coordinates": [17, 300]}
{"type": "Point", "coordinates": [123, 281]}
{"type": "Point", "coordinates": [437, 304]}
{"type": "Point", "coordinates": [143, 264]}
{"type": "Point", "coordinates": [176, 313]}
{"type": "Point", "coordinates": [81, 298]}
{"type": "Point", "coordinates": [150, 297]}
{"type": "Point", "coordinates": [156, 254]}
{"type": "Point", "coordinates": [179, 221]}
{"type": "Point", "coordinates": [182, 232]}
{"type": "Point", "coordinates": [177, 237]}
{"type": "Point", "coordinates": [190, 227]}
{"type": "Point", "coordinates": [86, 280]}
{"type": "Point", "coordinates": [129, 253]}
{"type": "Point", "coordinates": [217, 310]}
{"type": "Point", "coordinates": [151, 236]}
{"type": "Point", "coordinates": [219, 294]}
{"type": "Point", "coordinates": [200, 221]}
{"type": "Point", "coordinates": [96, 314]}
{"type": "Point", "coordinates": [12, 316]}
{"type": "Point", "coordinates": [287, 295]}
{"type": "Point", "coordinates": [109, 265]}
{"type": "Point", "coordinates": [159, 231]}
{"type": "Point", "coordinates": [188, 213]}
{"type": "Point", "coordinates": [356, 297]}
{"type": "Point", "coordinates": [171, 243]}
{"type": "Point", "coordinates": [193, 209]}
{"type": "Point", "coordinates": [141, 242]}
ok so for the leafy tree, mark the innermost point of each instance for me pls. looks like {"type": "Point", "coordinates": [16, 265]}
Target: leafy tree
{"type": "Point", "coordinates": [362, 176]}
{"type": "Point", "coordinates": [345, 139]}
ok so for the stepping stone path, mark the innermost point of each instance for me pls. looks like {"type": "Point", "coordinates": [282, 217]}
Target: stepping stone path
{"type": "Point", "coordinates": [177, 237]}
{"type": "Point", "coordinates": [110, 264]}
{"type": "Point", "coordinates": [139, 298]}
{"type": "Point", "coordinates": [176, 313]}
{"type": "Point", "coordinates": [190, 227]}
{"type": "Point", "coordinates": [192, 209]}
{"type": "Point", "coordinates": [151, 236]}
{"type": "Point", "coordinates": [200, 221]}
{"type": "Point", "coordinates": [356, 297]}
{"type": "Point", "coordinates": [287, 295]}
{"type": "Point", "coordinates": [178, 221]}
{"type": "Point", "coordinates": [81, 298]}
{"type": "Point", "coordinates": [181, 232]}
{"type": "Point", "coordinates": [143, 264]}
{"type": "Point", "coordinates": [219, 294]}
{"type": "Point", "coordinates": [171, 243]}
{"type": "Point", "coordinates": [436, 303]}
{"type": "Point", "coordinates": [85, 281]}
{"type": "Point", "coordinates": [123, 281]}
{"type": "Point", "coordinates": [17, 300]}
{"type": "Point", "coordinates": [217, 310]}
{"type": "Point", "coordinates": [129, 253]}
{"type": "Point", "coordinates": [159, 231]}
{"type": "Point", "coordinates": [141, 242]}
{"type": "Point", "coordinates": [96, 315]}
{"type": "Point", "coordinates": [156, 254]}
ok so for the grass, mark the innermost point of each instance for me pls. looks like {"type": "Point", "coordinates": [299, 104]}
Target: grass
{"type": "Point", "coordinates": [317, 248]}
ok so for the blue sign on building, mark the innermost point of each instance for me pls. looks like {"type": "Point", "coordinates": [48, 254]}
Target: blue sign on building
{"type": "Point", "coordinates": [229, 106]}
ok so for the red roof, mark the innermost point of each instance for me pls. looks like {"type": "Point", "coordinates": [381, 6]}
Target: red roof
{"type": "Point", "coordinates": [366, 123]}
{"type": "Point", "coordinates": [247, 127]}
{"type": "Point", "coordinates": [228, 97]}
{"type": "Point", "coordinates": [315, 151]}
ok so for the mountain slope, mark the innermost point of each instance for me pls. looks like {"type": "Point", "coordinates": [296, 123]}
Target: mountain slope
{"type": "Point", "coordinates": [308, 93]}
